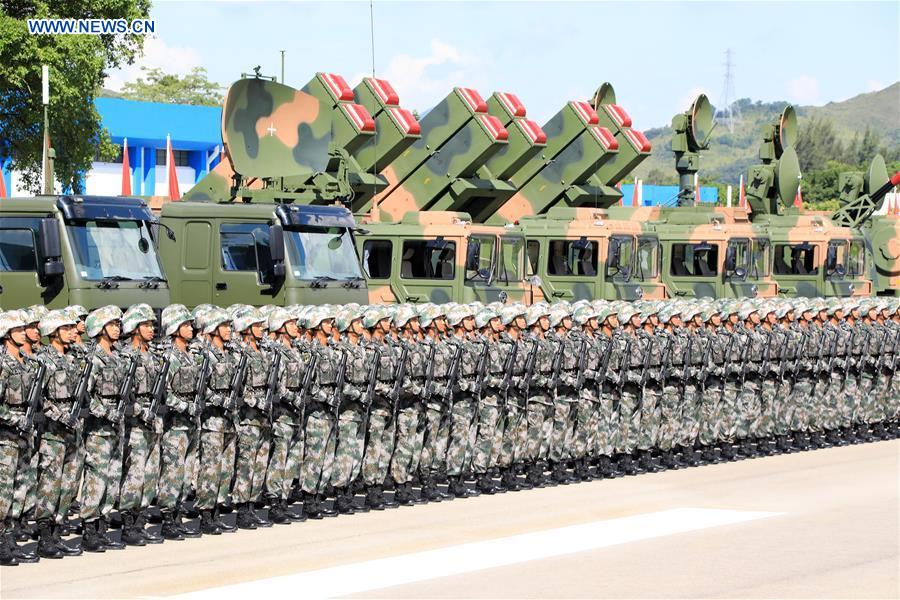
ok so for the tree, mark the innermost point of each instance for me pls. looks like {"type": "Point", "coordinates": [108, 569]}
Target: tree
{"type": "Point", "coordinates": [78, 66]}
{"type": "Point", "coordinates": [193, 88]}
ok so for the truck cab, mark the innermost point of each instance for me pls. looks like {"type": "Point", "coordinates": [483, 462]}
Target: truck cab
{"type": "Point", "coordinates": [87, 250]}
{"type": "Point", "coordinates": [261, 253]}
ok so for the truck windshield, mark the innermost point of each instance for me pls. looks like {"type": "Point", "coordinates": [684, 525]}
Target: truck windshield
{"type": "Point", "coordinates": [322, 252]}
{"type": "Point", "coordinates": [113, 249]}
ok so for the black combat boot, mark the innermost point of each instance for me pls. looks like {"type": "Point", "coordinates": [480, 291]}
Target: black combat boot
{"type": "Point", "coordinates": [221, 524]}
{"type": "Point", "coordinates": [63, 547]}
{"type": "Point", "coordinates": [20, 554]}
{"type": "Point", "coordinates": [326, 512]}
{"type": "Point", "coordinates": [169, 529]}
{"type": "Point", "coordinates": [388, 503]}
{"type": "Point", "coordinates": [46, 544]}
{"type": "Point", "coordinates": [22, 530]}
{"type": "Point", "coordinates": [429, 490]}
{"type": "Point", "coordinates": [485, 484]}
{"type": "Point", "coordinates": [90, 541]}
{"type": "Point", "coordinates": [457, 487]}
{"type": "Point", "coordinates": [7, 559]}
{"type": "Point", "coordinates": [277, 514]}
{"type": "Point", "coordinates": [373, 498]}
{"type": "Point", "coordinates": [110, 543]}
{"type": "Point", "coordinates": [297, 516]}
{"type": "Point", "coordinates": [131, 535]}
{"type": "Point", "coordinates": [207, 524]}
{"type": "Point", "coordinates": [403, 494]}
{"type": "Point", "coordinates": [727, 451]}
{"type": "Point", "coordinates": [245, 520]}
{"type": "Point", "coordinates": [184, 528]}
{"type": "Point", "coordinates": [260, 521]}
{"type": "Point", "coordinates": [647, 463]}
{"type": "Point", "coordinates": [343, 502]}
{"type": "Point", "coordinates": [140, 522]}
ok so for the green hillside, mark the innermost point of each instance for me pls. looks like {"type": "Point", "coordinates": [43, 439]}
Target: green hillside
{"type": "Point", "coordinates": [730, 154]}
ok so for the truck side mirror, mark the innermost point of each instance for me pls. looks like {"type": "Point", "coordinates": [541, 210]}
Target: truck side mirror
{"type": "Point", "coordinates": [51, 248]}
{"type": "Point", "coordinates": [276, 249]}
{"type": "Point", "coordinates": [730, 259]}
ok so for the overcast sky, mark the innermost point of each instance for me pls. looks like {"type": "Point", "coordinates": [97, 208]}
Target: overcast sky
{"type": "Point", "coordinates": [658, 55]}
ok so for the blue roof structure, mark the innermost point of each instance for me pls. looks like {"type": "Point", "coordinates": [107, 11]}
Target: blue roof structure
{"type": "Point", "coordinates": [146, 123]}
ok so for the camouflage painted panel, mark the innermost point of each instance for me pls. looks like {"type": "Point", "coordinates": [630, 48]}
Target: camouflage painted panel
{"type": "Point", "coordinates": [273, 130]}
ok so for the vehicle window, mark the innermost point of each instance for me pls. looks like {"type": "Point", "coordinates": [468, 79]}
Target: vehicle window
{"type": "Point", "coordinates": [479, 257]}
{"type": "Point", "coordinates": [795, 259]}
{"type": "Point", "coordinates": [17, 250]}
{"type": "Point", "coordinates": [241, 243]}
{"type": "Point", "coordinates": [322, 252]}
{"type": "Point", "coordinates": [509, 267]}
{"type": "Point", "coordinates": [836, 259]}
{"type": "Point", "coordinates": [737, 256]}
{"type": "Point", "coordinates": [761, 263]}
{"type": "Point", "coordinates": [377, 258]}
{"type": "Point", "coordinates": [533, 252]}
{"type": "Point", "coordinates": [572, 258]}
{"type": "Point", "coordinates": [620, 255]}
{"type": "Point", "coordinates": [428, 259]}
{"type": "Point", "coordinates": [857, 262]}
{"type": "Point", "coordinates": [647, 259]}
{"type": "Point", "coordinates": [112, 249]}
{"type": "Point", "coordinates": [695, 260]}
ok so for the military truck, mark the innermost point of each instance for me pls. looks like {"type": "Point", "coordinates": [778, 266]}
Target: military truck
{"type": "Point", "coordinates": [270, 224]}
{"type": "Point", "coordinates": [72, 249]}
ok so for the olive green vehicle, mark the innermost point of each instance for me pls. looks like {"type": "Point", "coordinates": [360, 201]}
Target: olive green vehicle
{"type": "Point", "coordinates": [87, 250]}
{"type": "Point", "coordinates": [269, 225]}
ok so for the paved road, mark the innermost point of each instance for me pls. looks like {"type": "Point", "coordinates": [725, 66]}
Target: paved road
{"type": "Point", "coordinates": [815, 524]}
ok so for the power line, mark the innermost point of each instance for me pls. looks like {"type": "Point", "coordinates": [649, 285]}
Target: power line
{"type": "Point", "coordinates": [730, 110]}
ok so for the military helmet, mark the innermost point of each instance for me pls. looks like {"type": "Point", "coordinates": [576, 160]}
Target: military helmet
{"type": "Point", "coordinates": [245, 317]}
{"type": "Point", "coordinates": [403, 314]}
{"type": "Point", "coordinates": [213, 318]}
{"type": "Point", "coordinates": [278, 317]}
{"type": "Point", "coordinates": [10, 320]}
{"type": "Point", "coordinates": [484, 316]}
{"type": "Point", "coordinates": [535, 312]}
{"type": "Point", "coordinates": [557, 315]}
{"type": "Point", "coordinates": [172, 318]}
{"type": "Point", "coordinates": [55, 319]}
{"type": "Point", "coordinates": [344, 318]}
{"type": "Point", "coordinates": [314, 316]}
{"type": "Point", "coordinates": [99, 318]}
{"type": "Point", "coordinates": [201, 308]}
{"type": "Point", "coordinates": [428, 313]}
{"type": "Point", "coordinates": [584, 313]}
{"type": "Point", "coordinates": [135, 315]}
{"type": "Point", "coordinates": [625, 314]}
{"type": "Point", "coordinates": [35, 313]}
{"type": "Point", "coordinates": [511, 312]}
{"type": "Point", "coordinates": [457, 314]}
{"type": "Point", "coordinates": [371, 315]}
{"type": "Point", "coordinates": [78, 310]}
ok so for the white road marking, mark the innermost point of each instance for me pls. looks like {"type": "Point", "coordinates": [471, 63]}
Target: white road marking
{"type": "Point", "coordinates": [347, 579]}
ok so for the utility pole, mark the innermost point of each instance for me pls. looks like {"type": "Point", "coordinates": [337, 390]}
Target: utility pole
{"type": "Point", "coordinates": [729, 109]}
{"type": "Point", "coordinates": [282, 67]}
{"type": "Point", "coordinates": [47, 162]}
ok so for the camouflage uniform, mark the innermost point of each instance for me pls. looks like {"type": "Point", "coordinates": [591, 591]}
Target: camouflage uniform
{"type": "Point", "coordinates": [408, 449]}
{"type": "Point", "coordinates": [287, 439]}
{"type": "Point", "coordinates": [254, 429]}
{"type": "Point", "coordinates": [565, 401]}
{"type": "Point", "coordinates": [433, 464]}
{"type": "Point", "coordinates": [349, 450]}
{"type": "Point", "coordinates": [464, 416]}
{"type": "Point", "coordinates": [319, 439]}
{"type": "Point", "coordinates": [142, 432]}
{"type": "Point", "coordinates": [539, 407]}
{"type": "Point", "coordinates": [15, 445]}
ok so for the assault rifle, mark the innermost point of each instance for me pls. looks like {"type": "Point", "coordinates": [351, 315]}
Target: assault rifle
{"type": "Point", "coordinates": [395, 391]}
{"type": "Point", "coordinates": [237, 383]}
{"type": "Point", "coordinates": [429, 372]}
{"type": "Point", "coordinates": [623, 372]}
{"type": "Point", "coordinates": [705, 360]}
{"type": "Point", "coordinates": [557, 366]}
{"type": "Point", "coordinates": [582, 363]}
{"type": "Point", "coordinates": [834, 344]}
{"type": "Point", "coordinates": [508, 370]}
{"type": "Point", "coordinates": [744, 356]}
{"type": "Point", "coordinates": [202, 386]}
{"type": "Point", "coordinates": [272, 384]}
{"type": "Point", "coordinates": [158, 392]}
{"type": "Point", "coordinates": [81, 393]}
{"type": "Point", "coordinates": [798, 356]}
{"type": "Point", "coordinates": [480, 371]}
{"type": "Point", "coordinates": [370, 395]}
{"type": "Point", "coordinates": [782, 355]}
{"type": "Point", "coordinates": [126, 390]}
{"type": "Point", "coordinates": [863, 351]}
{"type": "Point", "coordinates": [665, 360]}
{"type": "Point", "coordinates": [529, 369]}
{"type": "Point", "coordinates": [452, 376]}
{"type": "Point", "coordinates": [338, 394]}
{"type": "Point", "coordinates": [764, 368]}
{"type": "Point", "coordinates": [726, 358]}
{"type": "Point", "coordinates": [603, 369]}
{"type": "Point", "coordinates": [307, 384]}
{"type": "Point", "coordinates": [687, 361]}
{"type": "Point", "coordinates": [648, 355]}
{"type": "Point", "coordinates": [33, 399]}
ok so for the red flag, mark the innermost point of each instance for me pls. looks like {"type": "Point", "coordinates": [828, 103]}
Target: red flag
{"type": "Point", "coordinates": [696, 189]}
{"type": "Point", "coordinates": [174, 194]}
{"type": "Point", "coordinates": [2, 184]}
{"type": "Point", "coordinates": [126, 170]}
{"type": "Point", "coordinates": [634, 194]}
{"type": "Point", "coordinates": [742, 200]}
{"type": "Point", "coordinates": [798, 199]}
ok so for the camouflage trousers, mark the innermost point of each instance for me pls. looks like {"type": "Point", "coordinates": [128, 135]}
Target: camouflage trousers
{"type": "Point", "coordinates": [868, 406]}
{"type": "Point", "coordinates": [769, 406]}
{"type": "Point", "coordinates": [25, 495]}
{"type": "Point", "coordinates": [349, 450]}
{"type": "Point", "coordinates": [377, 457]}
{"type": "Point", "coordinates": [140, 467]}
{"type": "Point", "coordinates": [648, 430]}
{"type": "Point", "coordinates": [286, 453]}
{"type": "Point", "coordinates": [513, 430]}
{"type": "Point", "coordinates": [253, 445]}
{"type": "Point", "coordinates": [488, 421]}
{"type": "Point", "coordinates": [670, 416]}
{"type": "Point", "coordinates": [10, 451]}
{"type": "Point", "coordinates": [749, 406]}
{"type": "Point", "coordinates": [727, 413]}
{"type": "Point", "coordinates": [584, 432]}
{"type": "Point", "coordinates": [607, 425]}
{"type": "Point", "coordinates": [173, 449]}
{"type": "Point", "coordinates": [215, 467]}
{"type": "Point", "coordinates": [100, 482]}
{"type": "Point", "coordinates": [884, 395]}
{"type": "Point", "coordinates": [57, 477]}
{"type": "Point", "coordinates": [463, 432]}
{"type": "Point", "coordinates": [784, 407]}
{"type": "Point", "coordinates": [690, 415]}
{"type": "Point", "coordinates": [540, 426]}
{"type": "Point", "coordinates": [798, 413]}
{"type": "Point", "coordinates": [191, 463]}
{"type": "Point", "coordinates": [402, 461]}
{"type": "Point", "coordinates": [850, 401]}
{"type": "Point", "coordinates": [709, 410]}
{"type": "Point", "coordinates": [318, 449]}
{"type": "Point", "coordinates": [629, 419]}
{"type": "Point", "coordinates": [437, 436]}
{"type": "Point", "coordinates": [564, 409]}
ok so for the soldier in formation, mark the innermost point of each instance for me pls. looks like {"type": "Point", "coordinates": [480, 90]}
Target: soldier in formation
{"type": "Point", "coordinates": [286, 413]}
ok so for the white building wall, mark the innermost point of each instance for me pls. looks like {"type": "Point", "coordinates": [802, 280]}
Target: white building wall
{"type": "Point", "coordinates": [185, 179]}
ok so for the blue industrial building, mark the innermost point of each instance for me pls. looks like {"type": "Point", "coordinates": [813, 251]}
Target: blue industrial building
{"type": "Point", "coordinates": [196, 142]}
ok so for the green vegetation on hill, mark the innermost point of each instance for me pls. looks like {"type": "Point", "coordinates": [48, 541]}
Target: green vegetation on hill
{"type": "Point", "coordinates": [840, 136]}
